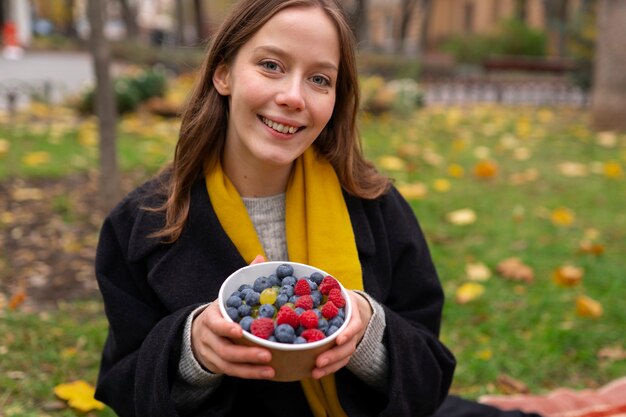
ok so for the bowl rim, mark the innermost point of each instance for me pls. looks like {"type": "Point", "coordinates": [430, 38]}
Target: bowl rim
{"type": "Point", "coordinates": [278, 345]}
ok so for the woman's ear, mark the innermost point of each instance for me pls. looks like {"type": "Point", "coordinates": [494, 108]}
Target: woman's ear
{"type": "Point", "coordinates": [221, 79]}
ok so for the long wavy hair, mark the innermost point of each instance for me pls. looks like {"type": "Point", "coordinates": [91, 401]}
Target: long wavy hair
{"type": "Point", "coordinates": [205, 118]}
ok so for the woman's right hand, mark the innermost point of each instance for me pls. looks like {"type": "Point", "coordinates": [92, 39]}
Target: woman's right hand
{"type": "Point", "coordinates": [212, 345]}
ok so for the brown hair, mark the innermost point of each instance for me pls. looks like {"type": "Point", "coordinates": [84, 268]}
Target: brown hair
{"type": "Point", "coordinates": [204, 121]}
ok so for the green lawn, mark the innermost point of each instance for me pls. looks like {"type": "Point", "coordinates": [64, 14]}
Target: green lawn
{"type": "Point", "coordinates": [552, 187]}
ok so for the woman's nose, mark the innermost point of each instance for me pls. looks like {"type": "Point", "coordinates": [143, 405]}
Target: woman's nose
{"type": "Point", "coordinates": [292, 95]}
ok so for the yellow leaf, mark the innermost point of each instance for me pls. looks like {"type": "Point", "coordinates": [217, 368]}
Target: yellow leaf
{"type": "Point", "coordinates": [588, 307]}
{"type": "Point", "coordinates": [461, 217]}
{"type": "Point", "coordinates": [36, 158]}
{"type": "Point", "coordinates": [515, 269]}
{"type": "Point", "coordinates": [456, 170]}
{"type": "Point", "coordinates": [391, 163]}
{"type": "Point", "coordinates": [413, 191]}
{"type": "Point", "coordinates": [587, 246]}
{"type": "Point", "coordinates": [469, 292]}
{"type": "Point", "coordinates": [613, 170]}
{"type": "Point", "coordinates": [485, 354]}
{"type": "Point", "coordinates": [607, 139]}
{"type": "Point", "coordinates": [79, 395]}
{"type": "Point", "coordinates": [568, 276]}
{"type": "Point", "coordinates": [442, 185]}
{"type": "Point", "coordinates": [477, 271]}
{"type": "Point", "coordinates": [562, 216]}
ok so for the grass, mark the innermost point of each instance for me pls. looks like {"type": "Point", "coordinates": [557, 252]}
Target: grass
{"type": "Point", "coordinates": [547, 162]}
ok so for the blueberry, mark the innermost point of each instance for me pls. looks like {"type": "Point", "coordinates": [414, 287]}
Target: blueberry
{"type": "Point", "coordinates": [289, 280]}
{"type": "Point", "coordinates": [336, 321]}
{"type": "Point", "coordinates": [243, 287]}
{"type": "Point", "coordinates": [299, 340]}
{"type": "Point", "coordinates": [322, 324]}
{"type": "Point", "coordinates": [284, 270]}
{"type": "Point", "coordinates": [286, 289]}
{"type": "Point", "coordinates": [300, 310]}
{"type": "Point", "coordinates": [317, 298]}
{"type": "Point", "coordinates": [284, 333]}
{"type": "Point", "coordinates": [281, 300]}
{"type": "Point", "coordinates": [316, 277]}
{"type": "Point", "coordinates": [272, 338]}
{"type": "Point", "coordinates": [267, 310]}
{"type": "Point", "coordinates": [252, 298]}
{"type": "Point", "coordinates": [260, 284]}
{"type": "Point", "coordinates": [233, 301]}
{"type": "Point", "coordinates": [274, 280]}
{"type": "Point", "coordinates": [331, 330]}
{"type": "Point", "coordinates": [245, 292]}
{"type": "Point", "coordinates": [312, 284]}
{"type": "Point", "coordinates": [232, 313]}
{"type": "Point", "coordinates": [318, 313]}
{"type": "Point", "coordinates": [246, 322]}
{"type": "Point", "coordinates": [299, 330]}
{"type": "Point", "coordinates": [244, 310]}
{"type": "Point", "coordinates": [342, 313]}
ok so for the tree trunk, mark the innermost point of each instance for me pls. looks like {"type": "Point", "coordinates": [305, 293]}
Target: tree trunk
{"type": "Point", "coordinates": [109, 190]}
{"type": "Point", "coordinates": [556, 16]}
{"type": "Point", "coordinates": [359, 19]}
{"type": "Point", "coordinates": [408, 7]}
{"type": "Point", "coordinates": [424, 26]}
{"type": "Point", "coordinates": [201, 31]}
{"type": "Point", "coordinates": [130, 21]}
{"type": "Point", "coordinates": [609, 86]}
{"type": "Point", "coordinates": [180, 23]}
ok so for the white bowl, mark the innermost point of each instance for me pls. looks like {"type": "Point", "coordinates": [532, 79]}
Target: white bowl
{"type": "Point", "coordinates": [291, 362]}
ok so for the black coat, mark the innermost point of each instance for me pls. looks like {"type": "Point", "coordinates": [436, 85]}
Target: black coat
{"type": "Point", "coordinates": [150, 288]}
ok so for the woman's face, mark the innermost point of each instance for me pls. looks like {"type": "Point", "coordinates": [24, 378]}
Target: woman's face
{"type": "Point", "coordinates": [281, 89]}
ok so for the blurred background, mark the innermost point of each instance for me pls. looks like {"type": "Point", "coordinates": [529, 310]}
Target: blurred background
{"type": "Point", "coordinates": [503, 123]}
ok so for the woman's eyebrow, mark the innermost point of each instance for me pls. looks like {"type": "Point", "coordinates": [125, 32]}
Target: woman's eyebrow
{"type": "Point", "coordinates": [280, 52]}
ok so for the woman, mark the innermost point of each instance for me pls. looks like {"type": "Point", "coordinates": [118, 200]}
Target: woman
{"type": "Point", "coordinates": [268, 166]}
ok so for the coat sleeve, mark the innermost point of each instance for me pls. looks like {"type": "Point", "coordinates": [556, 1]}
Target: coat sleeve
{"type": "Point", "coordinates": [400, 274]}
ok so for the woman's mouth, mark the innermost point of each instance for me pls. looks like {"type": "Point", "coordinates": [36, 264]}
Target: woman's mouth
{"type": "Point", "coordinates": [279, 127]}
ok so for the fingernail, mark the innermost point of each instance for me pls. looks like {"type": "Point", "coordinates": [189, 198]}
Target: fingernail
{"type": "Point", "coordinates": [263, 356]}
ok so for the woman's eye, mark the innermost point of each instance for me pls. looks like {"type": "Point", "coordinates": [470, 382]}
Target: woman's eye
{"type": "Point", "coordinates": [320, 80]}
{"type": "Point", "coordinates": [270, 65]}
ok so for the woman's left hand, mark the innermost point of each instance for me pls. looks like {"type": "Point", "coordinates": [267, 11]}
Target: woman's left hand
{"type": "Point", "coordinates": [337, 357]}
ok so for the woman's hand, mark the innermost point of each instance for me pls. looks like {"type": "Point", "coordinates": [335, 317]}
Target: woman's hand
{"type": "Point", "coordinates": [211, 341]}
{"type": "Point", "coordinates": [337, 357]}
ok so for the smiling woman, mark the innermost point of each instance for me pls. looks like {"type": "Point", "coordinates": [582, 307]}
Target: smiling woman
{"type": "Point", "coordinates": [268, 165]}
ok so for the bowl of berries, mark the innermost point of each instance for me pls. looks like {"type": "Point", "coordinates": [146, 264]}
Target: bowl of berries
{"type": "Point", "coordinates": [294, 310]}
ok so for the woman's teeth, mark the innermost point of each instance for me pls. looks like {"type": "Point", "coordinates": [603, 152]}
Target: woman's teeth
{"type": "Point", "coordinates": [279, 127]}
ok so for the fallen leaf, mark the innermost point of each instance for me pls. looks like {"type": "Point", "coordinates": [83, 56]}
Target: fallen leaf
{"type": "Point", "coordinates": [514, 269]}
{"type": "Point", "coordinates": [413, 191]}
{"type": "Point", "coordinates": [477, 271]}
{"type": "Point", "coordinates": [469, 292]}
{"type": "Point", "coordinates": [36, 158]}
{"type": "Point", "coordinates": [5, 146]}
{"type": "Point", "coordinates": [562, 216]}
{"type": "Point", "coordinates": [510, 385]}
{"type": "Point", "coordinates": [588, 307]}
{"type": "Point", "coordinates": [567, 276]}
{"type": "Point", "coordinates": [79, 395]}
{"type": "Point", "coordinates": [607, 139]}
{"type": "Point", "coordinates": [573, 169]}
{"type": "Point", "coordinates": [17, 299]}
{"type": "Point", "coordinates": [392, 163]}
{"type": "Point", "coordinates": [612, 353]}
{"type": "Point", "coordinates": [456, 170]}
{"type": "Point", "coordinates": [485, 354]}
{"type": "Point", "coordinates": [613, 169]}
{"type": "Point", "coordinates": [461, 217]}
{"type": "Point", "coordinates": [587, 246]}
{"type": "Point", "coordinates": [442, 185]}
{"type": "Point", "coordinates": [485, 169]}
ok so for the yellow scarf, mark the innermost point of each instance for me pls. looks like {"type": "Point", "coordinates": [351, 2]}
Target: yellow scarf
{"type": "Point", "coordinates": [319, 233]}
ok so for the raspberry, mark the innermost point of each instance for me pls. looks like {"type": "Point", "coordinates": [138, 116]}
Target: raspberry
{"type": "Point", "coordinates": [309, 319]}
{"type": "Point", "coordinates": [305, 302]}
{"type": "Point", "coordinates": [336, 297]}
{"type": "Point", "coordinates": [302, 287]}
{"type": "Point", "coordinates": [287, 316]}
{"type": "Point", "coordinates": [262, 327]}
{"type": "Point", "coordinates": [313, 335]}
{"type": "Point", "coordinates": [328, 283]}
{"type": "Point", "coordinates": [329, 310]}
